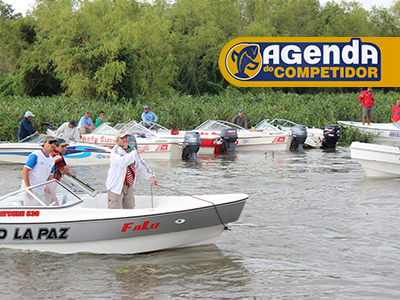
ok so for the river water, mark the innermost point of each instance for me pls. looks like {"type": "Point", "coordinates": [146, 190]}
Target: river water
{"type": "Point", "coordinates": [313, 227]}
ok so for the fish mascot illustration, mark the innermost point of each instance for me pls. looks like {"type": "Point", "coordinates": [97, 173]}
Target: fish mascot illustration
{"type": "Point", "coordinates": [245, 60]}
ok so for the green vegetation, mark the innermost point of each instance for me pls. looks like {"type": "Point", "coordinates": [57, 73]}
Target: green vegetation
{"type": "Point", "coordinates": [185, 112]}
{"type": "Point", "coordinates": [123, 49]}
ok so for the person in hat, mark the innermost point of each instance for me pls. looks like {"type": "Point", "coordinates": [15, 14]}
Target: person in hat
{"type": "Point", "coordinates": [366, 101]}
{"type": "Point", "coordinates": [25, 126]}
{"type": "Point", "coordinates": [85, 124]}
{"type": "Point", "coordinates": [60, 166]}
{"type": "Point", "coordinates": [40, 164]}
{"type": "Point", "coordinates": [69, 131]}
{"type": "Point", "coordinates": [125, 163]}
{"type": "Point", "coordinates": [240, 120]}
{"type": "Point", "coordinates": [148, 117]}
{"type": "Point", "coordinates": [101, 119]}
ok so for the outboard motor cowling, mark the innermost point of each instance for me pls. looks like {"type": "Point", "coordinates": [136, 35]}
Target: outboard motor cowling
{"type": "Point", "coordinates": [331, 136]}
{"type": "Point", "coordinates": [299, 136]}
{"type": "Point", "coordinates": [228, 137]}
{"type": "Point", "coordinates": [191, 145]}
{"type": "Point", "coordinates": [132, 141]}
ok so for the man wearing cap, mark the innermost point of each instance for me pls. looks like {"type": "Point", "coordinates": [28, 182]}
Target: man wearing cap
{"type": "Point", "coordinates": [240, 120]}
{"type": "Point", "coordinates": [69, 131]}
{"type": "Point", "coordinates": [148, 117]}
{"type": "Point", "coordinates": [125, 163]}
{"type": "Point", "coordinates": [25, 126]}
{"type": "Point", "coordinates": [85, 124]}
{"type": "Point", "coordinates": [60, 166]}
{"type": "Point", "coordinates": [40, 164]}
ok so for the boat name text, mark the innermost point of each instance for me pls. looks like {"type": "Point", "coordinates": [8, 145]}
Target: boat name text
{"type": "Point", "coordinates": [39, 234]}
{"type": "Point", "coordinates": [19, 213]}
{"type": "Point", "coordinates": [144, 226]}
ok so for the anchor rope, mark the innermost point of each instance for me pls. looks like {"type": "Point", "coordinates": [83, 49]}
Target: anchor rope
{"type": "Point", "coordinates": [176, 191]}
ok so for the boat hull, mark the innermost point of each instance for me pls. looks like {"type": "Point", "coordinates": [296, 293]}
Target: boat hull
{"type": "Point", "coordinates": [162, 149]}
{"type": "Point", "coordinates": [77, 155]}
{"type": "Point", "coordinates": [387, 133]}
{"type": "Point", "coordinates": [101, 230]}
{"type": "Point", "coordinates": [377, 160]}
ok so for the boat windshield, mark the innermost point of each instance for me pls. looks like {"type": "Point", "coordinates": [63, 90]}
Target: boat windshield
{"type": "Point", "coordinates": [134, 128]}
{"type": "Point", "coordinates": [266, 125]}
{"type": "Point", "coordinates": [217, 125]}
{"type": "Point", "coordinates": [282, 123]}
{"type": "Point", "coordinates": [52, 194]}
{"type": "Point", "coordinates": [104, 129]}
{"type": "Point", "coordinates": [33, 138]}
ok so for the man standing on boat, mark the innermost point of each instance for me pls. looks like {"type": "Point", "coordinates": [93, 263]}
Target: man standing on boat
{"type": "Point", "coordinates": [240, 120]}
{"type": "Point", "coordinates": [148, 117]}
{"type": "Point", "coordinates": [366, 100]}
{"type": "Point", "coordinates": [396, 112]}
{"type": "Point", "coordinates": [60, 166]}
{"type": "Point", "coordinates": [40, 164]}
{"type": "Point", "coordinates": [25, 127]}
{"type": "Point", "coordinates": [125, 162]}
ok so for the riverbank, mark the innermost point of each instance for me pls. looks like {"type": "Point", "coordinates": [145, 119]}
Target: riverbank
{"type": "Point", "coordinates": [185, 112]}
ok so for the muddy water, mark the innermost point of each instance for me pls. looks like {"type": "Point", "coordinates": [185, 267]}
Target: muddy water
{"type": "Point", "coordinates": [314, 226]}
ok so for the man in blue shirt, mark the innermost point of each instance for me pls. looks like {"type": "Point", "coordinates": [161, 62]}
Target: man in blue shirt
{"type": "Point", "coordinates": [85, 124]}
{"type": "Point", "coordinates": [148, 117]}
{"type": "Point", "coordinates": [25, 127]}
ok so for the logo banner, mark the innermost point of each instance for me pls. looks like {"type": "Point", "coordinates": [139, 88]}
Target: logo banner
{"type": "Point", "coordinates": [311, 62]}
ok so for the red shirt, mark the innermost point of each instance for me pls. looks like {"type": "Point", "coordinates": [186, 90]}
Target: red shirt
{"type": "Point", "coordinates": [367, 99]}
{"type": "Point", "coordinates": [59, 163]}
{"type": "Point", "coordinates": [396, 113]}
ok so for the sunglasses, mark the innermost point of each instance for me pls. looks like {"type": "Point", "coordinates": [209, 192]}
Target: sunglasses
{"type": "Point", "coordinates": [51, 142]}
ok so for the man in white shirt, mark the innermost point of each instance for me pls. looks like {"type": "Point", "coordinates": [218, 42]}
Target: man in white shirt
{"type": "Point", "coordinates": [125, 162]}
{"type": "Point", "coordinates": [39, 167]}
{"type": "Point", "coordinates": [69, 131]}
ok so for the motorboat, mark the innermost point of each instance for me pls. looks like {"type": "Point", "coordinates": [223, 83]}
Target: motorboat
{"type": "Point", "coordinates": [161, 147]}
{"type": "Point", "coordinates": [382, 133]}
{"type": "Point", "coordinates": [316, 137]}
{"type": "Point", "coordinates": [69, 217]}
{"type": "Point", "coordinates": [272, 139]}
{"type": "Point", "coordinates": [77, 154]}
{"type": "Point", "coordinates": [210, 143]}
{"type": "Point", "coordinates": [377, 160]}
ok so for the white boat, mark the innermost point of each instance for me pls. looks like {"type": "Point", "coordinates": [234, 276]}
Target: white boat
{"type": "Point", "coordinates": [377, 160]}
{"type": "Point", "coordinates": [70, 217]}
{"type": "Point", "coordinates": [315, 136]}
{"type": "Point", "coordinates": [210, 143]}
{"type": "Point", "coordinates": [160, 148]}
{"type": "Point", "coordinates": [272, 139]}
{"type": "Point", "coordinates": [78, 154]}
{"type": "Point", "coordinates": [386, 133]}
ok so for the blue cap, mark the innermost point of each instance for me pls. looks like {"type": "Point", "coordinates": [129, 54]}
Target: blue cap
{"type": "Point", "coordinates": [29, 114]}
{"type": "Point", "coordinates": [146, 107]}
{"type": "Point", "coordinates": [240, 109]}
{"type": "Point", "coordinates": [73, 123]}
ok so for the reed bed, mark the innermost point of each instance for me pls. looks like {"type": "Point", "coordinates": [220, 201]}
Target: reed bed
{"type": "Point", "coordinates": [185, 112]}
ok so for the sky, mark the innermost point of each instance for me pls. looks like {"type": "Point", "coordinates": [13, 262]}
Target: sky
{"type": "Point", "coordinates": [23, 5]}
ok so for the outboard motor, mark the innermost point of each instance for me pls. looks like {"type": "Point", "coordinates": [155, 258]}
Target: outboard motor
{"type": "Point", "coordinates": [191, 144]}
{"type": "Point", "coordinates": [132, 141]}
{"type": "Point", "coordinates": [228, 137]}
{"type": "Point", "coordinates": [331, 136]}
{"type": "Point", "coordinates": [299, 136]}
